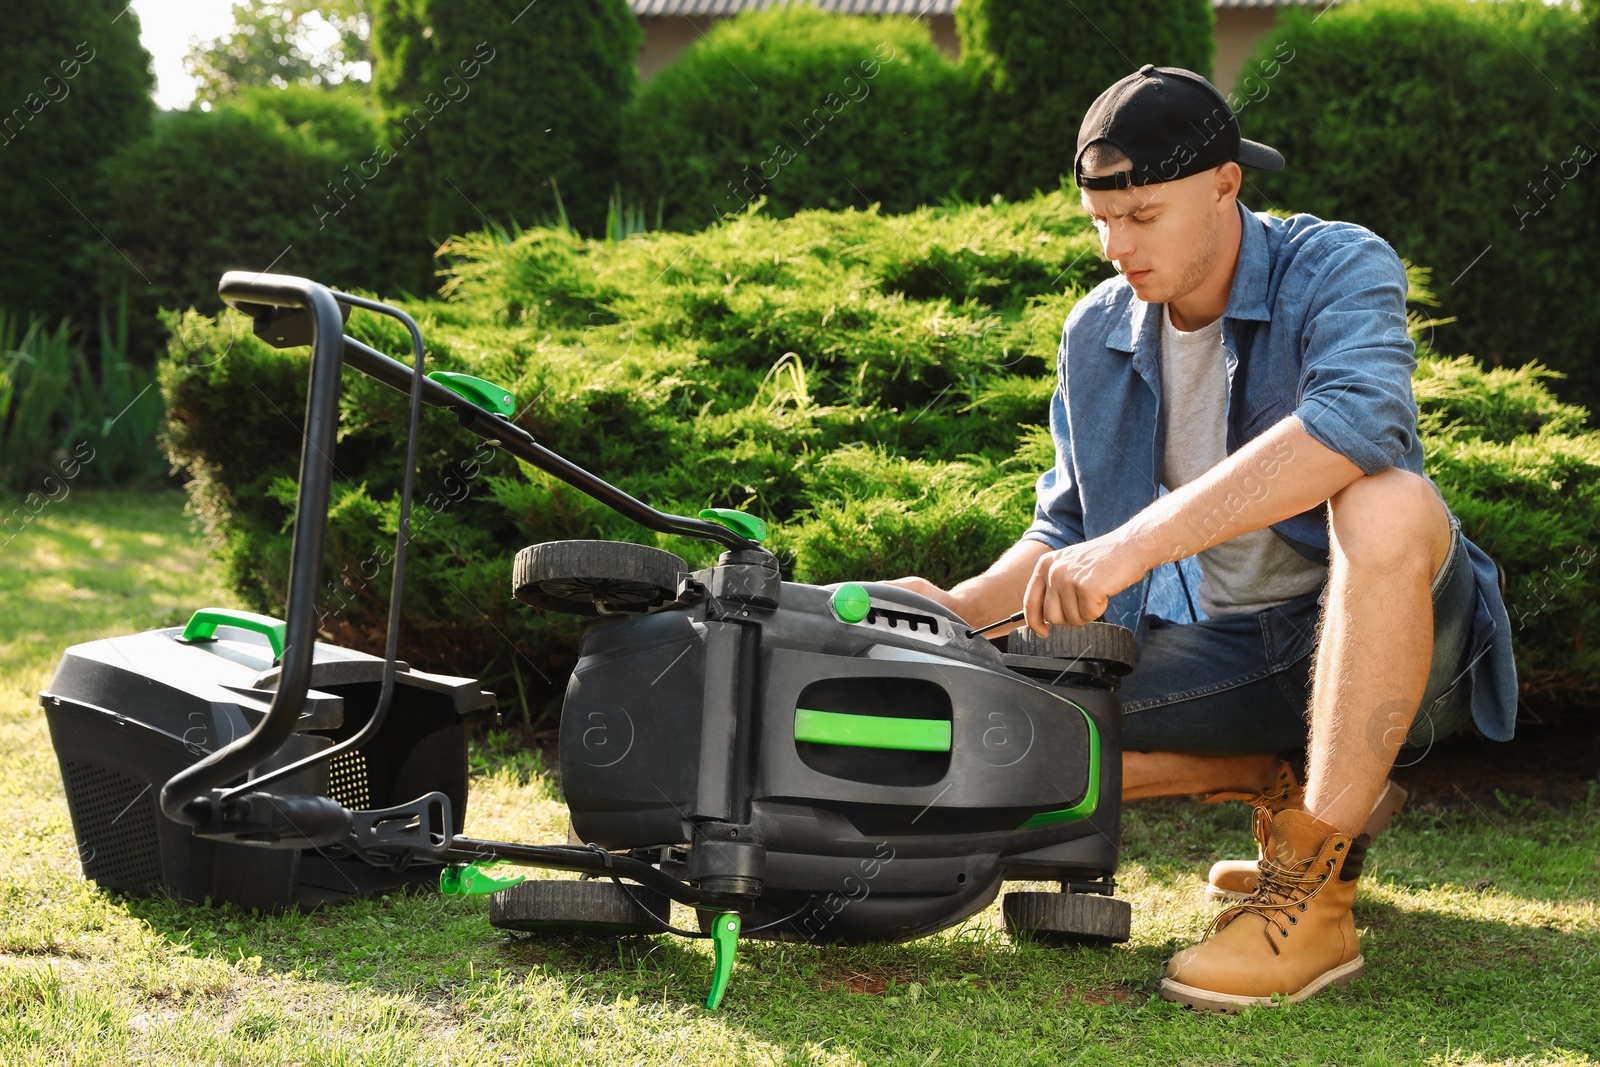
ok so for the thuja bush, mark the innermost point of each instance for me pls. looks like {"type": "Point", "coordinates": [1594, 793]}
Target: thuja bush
{"type": "Point", "coordinates": [875, 387]}
{"type": "Point", "coordinates": [509, 114]}
{"type": "Point", "coordinates": [1039, 64]}
{"type": "Point", "coordinates": [804, 108]}
{"type": "Point", "coordinates": [1466, 135]}
{"type": "Point", "coordinates": [244, 186]}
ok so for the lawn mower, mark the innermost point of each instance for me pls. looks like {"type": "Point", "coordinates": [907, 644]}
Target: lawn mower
{"type": "Point", "coordinates": [840, 763]}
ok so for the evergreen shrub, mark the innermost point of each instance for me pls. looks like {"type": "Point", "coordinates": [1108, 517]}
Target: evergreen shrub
{"type": "Point", "coordinates": [74, 86]}
{"type": "Point", "coordinates": [876, 387]}
{"type": "Point", "coordinates": [501, 113]}
{"type": "Point", "coordinates": [1465, 134]}
{"type": "Point", "coordinates": [1517, 468]}
{"type": "Point", "coordinates": [1039, 64]}
{"type": "Point", "coordinates": [263, 179]}
{"type": "Point", "coordinates": [805, 108]}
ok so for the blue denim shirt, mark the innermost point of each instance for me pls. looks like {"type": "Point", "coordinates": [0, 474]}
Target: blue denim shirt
{"type": "Point", "coordinates": [1315, 327]}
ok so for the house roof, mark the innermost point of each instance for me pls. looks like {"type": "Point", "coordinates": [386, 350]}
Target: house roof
{"type": "Point", "coordinates": [713, 8]}
{"type": "Point", "coordinates": [838, 7]}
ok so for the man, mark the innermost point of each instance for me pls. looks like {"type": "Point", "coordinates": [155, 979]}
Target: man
{"type": "Point", "coordinates": [1241, 391]}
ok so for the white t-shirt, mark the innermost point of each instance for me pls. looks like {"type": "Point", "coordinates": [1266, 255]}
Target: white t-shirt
{"type": "Point", "coordinates": [1251, 572]}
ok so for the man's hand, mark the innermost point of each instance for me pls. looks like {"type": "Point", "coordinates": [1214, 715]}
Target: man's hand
{"type": "Point", "coordinates": [1072, 585]}
{"type": "Point", "coordinates": [923, 587]}
{"type": "Point", "coordinates": [987, 597]}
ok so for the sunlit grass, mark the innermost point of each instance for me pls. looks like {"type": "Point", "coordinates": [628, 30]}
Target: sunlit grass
{"type": "Point", "coordinates": [1481, 927]}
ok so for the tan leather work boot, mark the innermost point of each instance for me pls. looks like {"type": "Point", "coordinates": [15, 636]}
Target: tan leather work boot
{"type": "Point", "coordinates": [1293, 937]}
{"type": "Point", "coordinates": [1236, 879]}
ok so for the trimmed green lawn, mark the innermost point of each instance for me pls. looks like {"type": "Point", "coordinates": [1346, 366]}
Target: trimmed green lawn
{"type": "Point", "coordinates": [1481, 927]}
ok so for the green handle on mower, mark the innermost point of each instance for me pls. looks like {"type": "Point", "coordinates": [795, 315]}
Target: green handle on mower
{"type": "Point", "coordinates": [203, 626]}
{"type": "Point", "coordinates": [744, 525]}
{"type": "Point", "coordinates": [483, 393]}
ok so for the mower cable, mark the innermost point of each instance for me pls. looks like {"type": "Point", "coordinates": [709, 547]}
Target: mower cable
{"type": "Point", "coordinates": [666, 927]}
{"type": "Point", "coordinates": [669, 928]}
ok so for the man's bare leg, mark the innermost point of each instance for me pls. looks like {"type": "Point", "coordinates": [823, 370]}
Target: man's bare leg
{"type": "Point", "coordinates": [1178, 774]}
{"type": "Point", "coordinates": [1296, 935]}
{"type": "Point", "coordinates": [1390, 534]}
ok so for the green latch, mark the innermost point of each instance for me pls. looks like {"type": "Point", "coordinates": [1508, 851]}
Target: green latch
{"type": "Point", "coordinates": [744, 525]}
{"type": "Point", "coordinates": [203, 626]}
{"type": "Point", "coordinates": [468, 880]}
{"type": "Point", "coordinates": [851, 602]}
{"type": "Point", "coordinates": [482, 393]}
{"type": "Point", "coordinates": [724, 943]}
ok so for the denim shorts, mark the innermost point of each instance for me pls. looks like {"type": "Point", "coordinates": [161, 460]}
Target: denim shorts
{"type": "Point", "coordinates": [1242, 683]}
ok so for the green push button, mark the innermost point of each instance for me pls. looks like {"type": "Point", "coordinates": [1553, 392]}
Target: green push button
{"type": "Point", "coordinates": [851, 602]}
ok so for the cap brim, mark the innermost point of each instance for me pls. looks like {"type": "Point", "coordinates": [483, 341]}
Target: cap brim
{"type": "Point", "coordinates": [1260, 156]}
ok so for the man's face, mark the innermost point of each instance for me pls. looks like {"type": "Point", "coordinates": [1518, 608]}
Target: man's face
{"type": "Point", "coordinates": [1163, 238]}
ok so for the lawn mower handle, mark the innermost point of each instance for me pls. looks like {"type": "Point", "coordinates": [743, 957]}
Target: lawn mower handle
{"type": "Point", "coordinates": [183, 797]}
{"type": "Point", "coordinates": [520, 443]}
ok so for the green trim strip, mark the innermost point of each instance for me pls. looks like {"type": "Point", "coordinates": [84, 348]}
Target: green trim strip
{"type": "Point", "coordinates": [871, 731]}
{"type": "Point", "coordinates": [1091, 798]}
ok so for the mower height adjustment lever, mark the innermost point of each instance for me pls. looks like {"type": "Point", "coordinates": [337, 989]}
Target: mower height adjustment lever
{"type": "Point", "coordinates": [470, 880]}
{"type": "Point", "coordinates": [724, 943]}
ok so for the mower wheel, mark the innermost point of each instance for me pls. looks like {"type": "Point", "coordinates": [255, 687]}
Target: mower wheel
{"type": "Point", "coordinates": [1067, 918]}
{"type": "Point", "coordinates": [595, 577]}
{"type": "Point", "coordinates": [571, 907]}
{"type": "Point", "coordinates": [1106, 642]}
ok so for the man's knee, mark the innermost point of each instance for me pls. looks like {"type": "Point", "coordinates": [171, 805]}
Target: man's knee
{"type": "Point", "coordinates": [1390, 522]}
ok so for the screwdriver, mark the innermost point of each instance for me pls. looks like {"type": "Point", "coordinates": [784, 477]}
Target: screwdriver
{"type": "Point", "coordinates": [1017, 617]}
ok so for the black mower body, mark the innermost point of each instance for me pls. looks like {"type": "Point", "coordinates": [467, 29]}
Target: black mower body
{"type": "Point", "coordinates": [718, 723]}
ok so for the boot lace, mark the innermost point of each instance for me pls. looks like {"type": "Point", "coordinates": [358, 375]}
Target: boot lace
{"type": "Point", "coordinates": [1278, 890]}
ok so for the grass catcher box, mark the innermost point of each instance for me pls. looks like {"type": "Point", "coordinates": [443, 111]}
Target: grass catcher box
{"type": "Point", "coordinates": [128, 713]}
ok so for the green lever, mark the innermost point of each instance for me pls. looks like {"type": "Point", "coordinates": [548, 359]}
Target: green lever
{"type": "Point", "coordinates": [203, 626]}
{"type": "Point", "coordinates": [482, 393]}
{"type": "Point", "coordinates": [468, 880]}
{"type": "Point", "coordinates": [744, 525]}
{"type": "Point", "coordinates": [724, 942]}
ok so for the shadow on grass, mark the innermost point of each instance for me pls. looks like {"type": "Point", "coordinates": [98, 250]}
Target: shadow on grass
{"type": "Point", "coordinates": [1495, 987]}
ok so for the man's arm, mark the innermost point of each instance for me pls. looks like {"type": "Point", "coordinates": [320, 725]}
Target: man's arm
{"type": "Point", "coordinates": [1057, 520]}
{"type": "Point", "coordinates": [1281, 473]}
{"type": "Point", "coordinates": [990, 596]}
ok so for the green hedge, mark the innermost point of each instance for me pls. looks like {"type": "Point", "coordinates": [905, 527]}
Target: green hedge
{"type": "Point", "coordinates": [1524, 478]}
{"type": "Point", "coordinates": [269, 177]}
{"type": "Point", "coordinates": [839, 374]}
{"type": "Point", "coordinates": [1041, 63]}
{"type": "Point", "coordinates": [804, 108]}
{"type": "Point", "coordinates": [1464, 133]}
{"type": "Point", "coordinates": [74, 86]}
{"type": "Point", "coordinates": [487, 103]}
{"type": "Point", "coordinates": [874, 386]}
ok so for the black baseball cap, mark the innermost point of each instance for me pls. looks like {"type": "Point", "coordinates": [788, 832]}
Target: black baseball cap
{"type": "Point", "coordinates": [1172, 123]}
